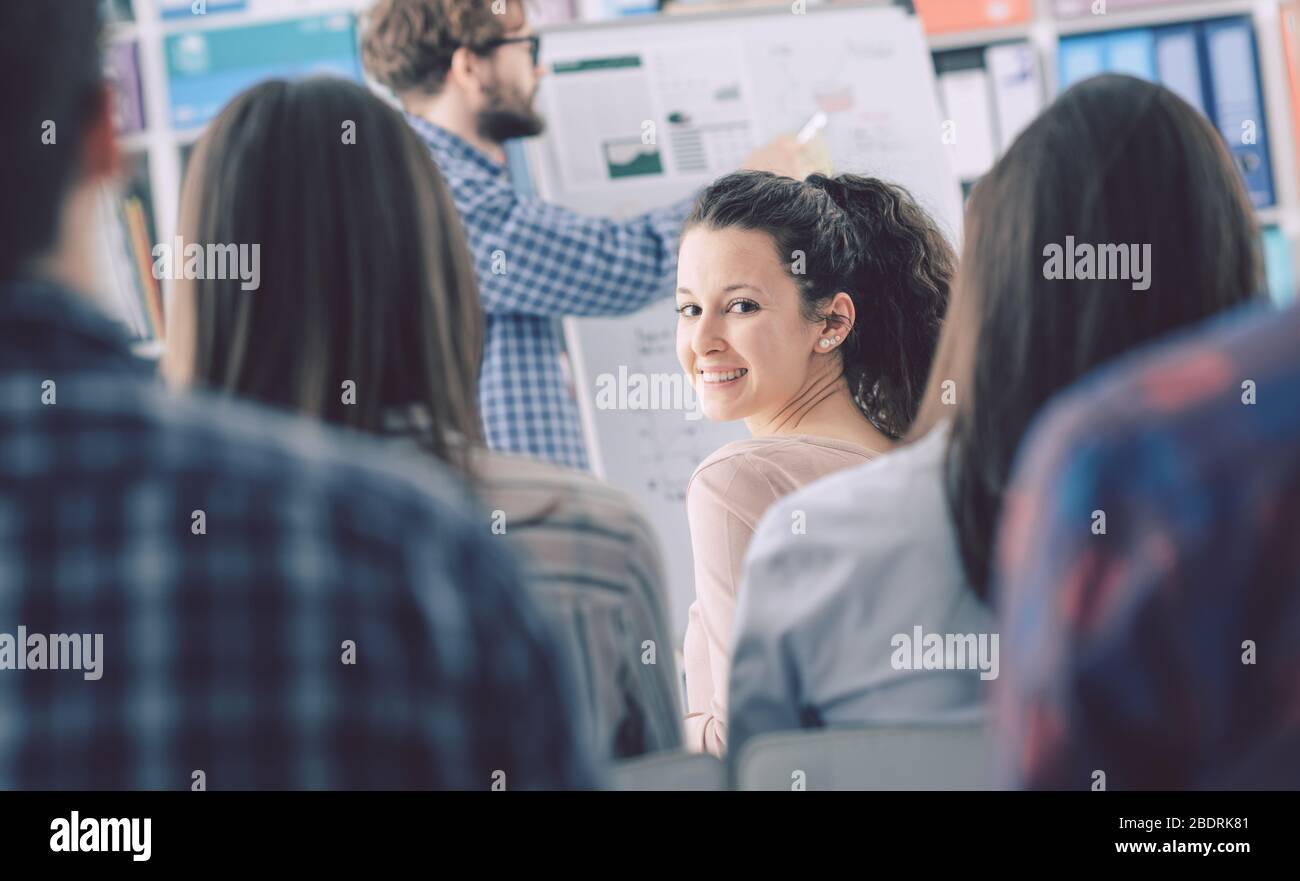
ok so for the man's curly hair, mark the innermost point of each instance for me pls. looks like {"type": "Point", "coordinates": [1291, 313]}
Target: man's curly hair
{"type": "Point", "coordinates": [407, 45]}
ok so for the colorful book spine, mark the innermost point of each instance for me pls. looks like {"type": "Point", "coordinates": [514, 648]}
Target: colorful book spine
{"type": "Point", "coordinates": [142, 251]}
{"type": "Point", "coordinates": [123, 63]}
{"type": "Point", "coordinates": [1237, 102]}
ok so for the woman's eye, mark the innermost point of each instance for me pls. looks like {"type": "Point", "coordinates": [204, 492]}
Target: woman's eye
{"type": "Point", "coordinates": [743, 307]}
{"type": "Point", "coordinates": [689, 310]}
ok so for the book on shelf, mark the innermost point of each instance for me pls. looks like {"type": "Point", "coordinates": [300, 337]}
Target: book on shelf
{"type": "Point", "coordinates": [133, 215]}
{"type": "Point", "coordinates": [967, 100]}
{"type": "Point", "coordinates": [118, 287]}
{"type": "Point", "coordinates": [124, 254]}
{"type": "Point", "coordinates": [1279, 266]}
{"type": "Point", "coordinates": [122, 69]}
{"type": "Point", "coordinates": [1018, 93]}
{"type": "Point", "coordinates": [989, 95]}
{"type": "Point", "coordinates": [116, 11]}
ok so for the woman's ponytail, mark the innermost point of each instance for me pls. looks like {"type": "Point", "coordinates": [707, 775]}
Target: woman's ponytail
{"type": "Point", "coordinates": [899, 282]}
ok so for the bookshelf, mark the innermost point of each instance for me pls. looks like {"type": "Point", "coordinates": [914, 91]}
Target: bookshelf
{"type": "Point", "coordinates": [1046, 30]}
{"type": "Point", "coordinates": [154, 152]}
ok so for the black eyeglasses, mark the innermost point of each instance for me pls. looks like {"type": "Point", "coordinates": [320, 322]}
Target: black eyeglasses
{"type": "Point", "coordinates": [534, 41]}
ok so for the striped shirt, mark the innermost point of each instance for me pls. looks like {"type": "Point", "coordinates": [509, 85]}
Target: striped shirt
{"type": "Point", "coordinates": [591, 564]}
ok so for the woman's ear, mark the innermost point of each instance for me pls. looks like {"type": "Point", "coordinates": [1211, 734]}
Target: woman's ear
{"type": "Point", "coordinates": [842, 314]}
{"type": "Point", "coordinates": [837, 324]}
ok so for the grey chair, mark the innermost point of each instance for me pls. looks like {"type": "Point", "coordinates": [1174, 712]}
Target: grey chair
{"type": "Point", "coordinates": [676, 771]}
{"type": "Point", "coordinates": [877, 757]}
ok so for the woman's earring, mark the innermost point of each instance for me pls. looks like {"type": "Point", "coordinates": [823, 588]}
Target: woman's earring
{"type": "Point", "coordinates": [825, 343]}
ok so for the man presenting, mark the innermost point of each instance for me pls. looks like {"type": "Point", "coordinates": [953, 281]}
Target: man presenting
{"type": "Point", "coordinates": [467, 78]}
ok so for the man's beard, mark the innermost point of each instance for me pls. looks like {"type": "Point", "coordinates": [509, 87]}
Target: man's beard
{"type": "Point", "coordinates": [504, 120]}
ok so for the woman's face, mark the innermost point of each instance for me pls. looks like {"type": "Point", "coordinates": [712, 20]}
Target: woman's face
{"type": "Point", "coordinates": [741, 337]}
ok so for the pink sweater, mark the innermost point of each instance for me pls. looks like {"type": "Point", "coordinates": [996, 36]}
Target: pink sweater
{"type": "Point", "coordinates": [725, 499]}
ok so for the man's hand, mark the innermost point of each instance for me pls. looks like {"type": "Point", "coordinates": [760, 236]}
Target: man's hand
{"type": "Point", "coordinates": [782, 155]}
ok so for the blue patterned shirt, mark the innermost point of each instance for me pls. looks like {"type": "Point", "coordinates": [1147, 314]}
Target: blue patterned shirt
{"type": "Point", "coordinates": [537, 263]}
{"type": "Point", "coordinates": [230, 559]}
{"type": "Point", "coordinates": [1160, 646]}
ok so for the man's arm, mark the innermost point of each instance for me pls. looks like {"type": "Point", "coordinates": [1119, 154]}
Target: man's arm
{"type": "Point", "coordinates": [535, 258]}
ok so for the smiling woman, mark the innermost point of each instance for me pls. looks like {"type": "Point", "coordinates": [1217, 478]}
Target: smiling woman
{"type": "Point", "coordinates": [811, 310]}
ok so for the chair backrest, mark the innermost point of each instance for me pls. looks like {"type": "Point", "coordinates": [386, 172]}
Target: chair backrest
{"type": "Point", "coordinates": [676, 771]}
{"type": "Point", "coordinates": [879, 757]}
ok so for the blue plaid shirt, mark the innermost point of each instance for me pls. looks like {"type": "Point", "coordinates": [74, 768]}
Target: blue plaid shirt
{"type": "Point", "coordinates": [557, 263]}
{"type": "Point", "coordinates": [223, 648]}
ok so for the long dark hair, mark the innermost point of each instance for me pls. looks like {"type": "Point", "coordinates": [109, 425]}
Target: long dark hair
{"type": "Point", "coordinates": [365, 273]}
{"type": "Point", "coordinates": [869, 239]}
{"type": "Point", "coordinates": [1114, 160]}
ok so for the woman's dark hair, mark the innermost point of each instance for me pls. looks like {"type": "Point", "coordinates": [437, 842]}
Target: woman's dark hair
{"type": "Point", "coordinates": [365, 274]}
{"type": "Point", "coordinates": [1113, 161]}
{"type": "Point", "coordinates": [868, 239]}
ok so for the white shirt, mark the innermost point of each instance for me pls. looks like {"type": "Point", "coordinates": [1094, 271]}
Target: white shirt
{"type": "Point", "coordinates": [821, 614]}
